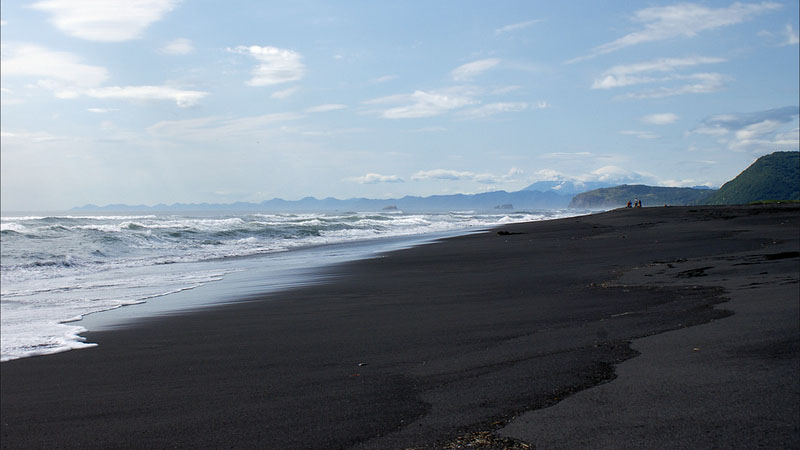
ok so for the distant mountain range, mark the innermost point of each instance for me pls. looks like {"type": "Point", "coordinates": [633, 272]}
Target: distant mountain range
{"type": "Point", "coordinates": [771, 177]}
{"type": "Point", "coordinates": [520, 200]}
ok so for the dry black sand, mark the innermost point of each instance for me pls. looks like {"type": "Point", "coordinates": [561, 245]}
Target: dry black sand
{"type": "Point", "coordinates": [428, 346]}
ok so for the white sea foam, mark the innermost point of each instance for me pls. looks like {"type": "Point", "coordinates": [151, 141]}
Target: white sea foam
{"type": "Point", "coordinates": [55, 269]}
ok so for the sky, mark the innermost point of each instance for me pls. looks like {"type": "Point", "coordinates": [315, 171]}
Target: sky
{"type": "Point", "coordinates": [164, 101]}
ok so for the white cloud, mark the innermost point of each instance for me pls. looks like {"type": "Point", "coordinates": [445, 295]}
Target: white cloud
{"type": "Point", "coordinates": [702, 83]}
{"type": "Point", "coordinates": [681, 20]}
{"type": "Point", "coordinates": [373, 178]}
{"type": "Point", "coordinates": [456, 175]}
{"type": "Point", "coordinates": [516, 26]}
{"type": "Point", "coordinates": [442, 174]}
{"type": "Point", "coordinates": [181, 97]}
{"type": "Point", "coordinates": [640, 134]}
{"type": "Point", "coordinates": [325, 108]}
{"type": "Point", "coordinates": [630, 74]}
{"type": "Point", "coordinates": [758, 131]}
{"type": "Point", "coordinates": [285, 93]}
{"type": "Point", "coordinates": [105, 20]}
{"type": "Point", "coordinates": [791, 36]}
{"type": "Point", "coordinates": [614, 174]}
{"type": "Point", "coordinates": [217, 128]}
{"type": "Point", "coordinates": [495, 108]}
{"type": "Point", "coordinates": [58, 71]}
{"type": "Point", "coordinates": [660, 119]}
{"type": "Point", "coordinates": [36, 137]}
{"type": "Point", "coordinates": [180, 46]}
{"type": "Point", "coordinates": [101, 110]}
{"type": "Point", "coordinates": [468, 71]}
{"type": "Point", "coordinates": [423, 104]}
{"type": "Point", "coordinates": [428, 130]}
{"type": "Point", "coordinates": [68, 78]}
{"type": "Point", "coordinates": [666, 70]}
{"type": "Point", "coordinates": [276, 65]}
{"type": "Point", "coordinates": [610, 174]}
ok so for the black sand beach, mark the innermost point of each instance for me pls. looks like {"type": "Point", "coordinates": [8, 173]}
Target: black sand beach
{"type": "Point", "coordinates": [437, 345]}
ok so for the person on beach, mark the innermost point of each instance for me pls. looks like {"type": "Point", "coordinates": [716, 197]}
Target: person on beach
{"type": "Point", "coordinates": [629, 204]}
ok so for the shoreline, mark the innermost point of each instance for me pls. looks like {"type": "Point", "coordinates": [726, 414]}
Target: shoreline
{"type": "Point", "coordinates": [408, 350]}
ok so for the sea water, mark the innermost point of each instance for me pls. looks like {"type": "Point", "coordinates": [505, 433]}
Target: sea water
{"type": "Point", "coordinates": [56, 269]}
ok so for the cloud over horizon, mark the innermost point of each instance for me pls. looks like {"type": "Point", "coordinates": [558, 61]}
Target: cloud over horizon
{"type": "Point", "coordinates": [373, 178]}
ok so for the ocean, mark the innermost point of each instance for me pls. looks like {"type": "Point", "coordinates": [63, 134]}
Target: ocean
{"type": "Point", "coordinates": [56, 270]}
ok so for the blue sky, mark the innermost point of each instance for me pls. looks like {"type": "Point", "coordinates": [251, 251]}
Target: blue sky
{"type": "Point", "coordinates": [162, 101]}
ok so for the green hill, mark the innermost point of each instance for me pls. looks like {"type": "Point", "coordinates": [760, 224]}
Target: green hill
{"type": "Point", "coordinates": [772, 177]}
{"type": "Point", "coordinates": [617, 196]}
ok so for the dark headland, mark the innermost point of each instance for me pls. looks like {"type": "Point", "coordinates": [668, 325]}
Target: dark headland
{"type": "Point", "coordinates": [510, 340]}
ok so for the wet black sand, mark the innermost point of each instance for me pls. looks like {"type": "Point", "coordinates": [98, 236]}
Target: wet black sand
{"type": "Point", "coordinates": [416, 348]}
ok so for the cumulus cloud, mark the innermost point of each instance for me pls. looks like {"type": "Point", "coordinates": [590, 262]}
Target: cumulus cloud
{"type": "Point", "coordinates": [275, 65]}
{"type": "Point", "coordinates": [456, 175]}
{"type": "Point", "coordinates": [468, 71]}
{"type": "Point", "coordinates": [660, 119]}
{"type": "Point", "coordinates": [761, 130]}
{"type": "Point", "coordinates": [442, 174]}
{"type": "Point", "coordinates": [374, 178]}
{"type": "Point", "coordinates": [609, 174]}
{"type": "Point", "coordinates": [423, 104]}
{"type": "Point", "coordinates": [682, 20]}
{"type": "Point", "coordinates": [105, 20]}
{"type": "Point", "coordinates": [516, 26]}
{"type": "Point", "coordinates": [180, 46]}
{"type": "Point", "coordinates": [325, 108]}
{"type": "Point", "coordinates": [614, 173]}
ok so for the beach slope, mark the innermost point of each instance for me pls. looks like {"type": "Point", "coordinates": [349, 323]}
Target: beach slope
{"type": "Point", "coordinates": [424, 346]}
